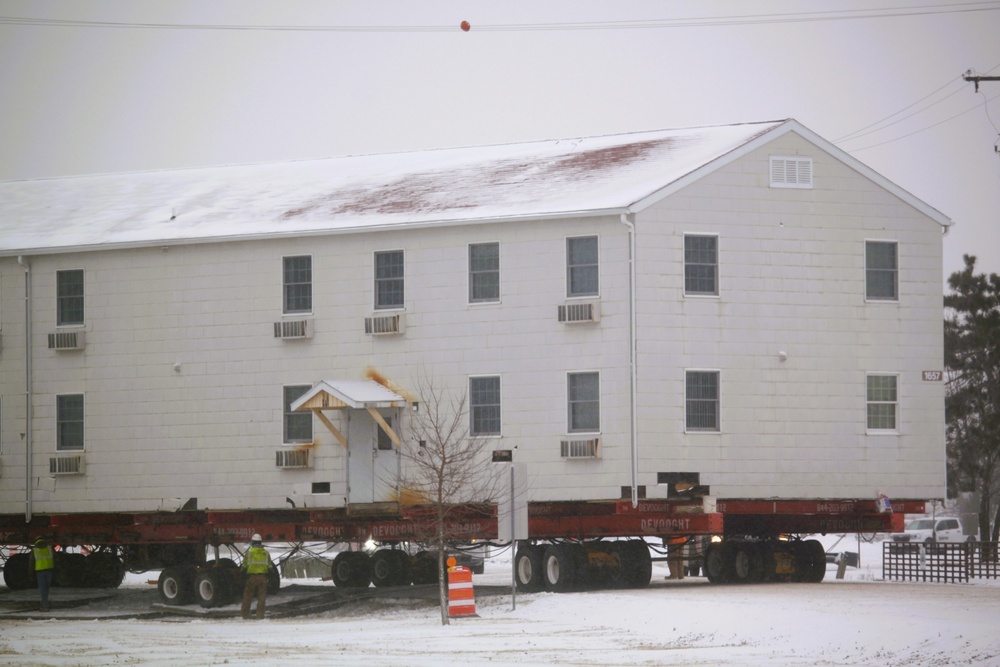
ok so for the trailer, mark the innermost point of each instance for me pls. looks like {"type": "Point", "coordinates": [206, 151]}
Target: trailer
{"type": "Point", "coordinates": [712, 340]}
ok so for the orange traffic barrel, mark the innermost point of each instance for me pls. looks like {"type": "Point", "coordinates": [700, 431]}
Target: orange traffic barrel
{"type": "Point", "coordinates": [461, 596]}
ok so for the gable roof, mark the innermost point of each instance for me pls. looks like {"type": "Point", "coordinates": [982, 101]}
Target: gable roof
{"type": "Point", "coordinates": [559, 178]}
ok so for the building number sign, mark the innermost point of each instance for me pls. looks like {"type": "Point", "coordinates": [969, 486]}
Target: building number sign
{"type": "Point", "coordinates": [933, 376]}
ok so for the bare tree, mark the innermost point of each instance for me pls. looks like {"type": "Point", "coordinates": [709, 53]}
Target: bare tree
{"type": "Point", "coordinates": [448, 468]}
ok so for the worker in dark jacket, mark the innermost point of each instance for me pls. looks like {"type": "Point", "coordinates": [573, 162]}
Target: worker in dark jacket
{"type": "Point", "coordinates": [256, 563]}
{"type": "Point", "coordinates": [43, 562]}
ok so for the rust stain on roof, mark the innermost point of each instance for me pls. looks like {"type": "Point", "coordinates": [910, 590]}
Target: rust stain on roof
{"type": "Point", "coordinates": [476, 185]}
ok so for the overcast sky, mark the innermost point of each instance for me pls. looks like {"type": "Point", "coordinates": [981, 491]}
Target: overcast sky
{"type": "Point", "coordinates": [118, 85]}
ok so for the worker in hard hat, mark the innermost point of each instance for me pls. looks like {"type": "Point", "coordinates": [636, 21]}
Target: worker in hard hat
{"type": "Point", "coordinates": [256, 563]}
{"type": "Point", "coordinates": [43, 562]}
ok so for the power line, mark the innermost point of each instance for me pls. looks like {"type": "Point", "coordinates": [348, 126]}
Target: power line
{"type": "Point", "coordinates": [745, 19]}
{"type": "Point", "coordinates": [857, 134]}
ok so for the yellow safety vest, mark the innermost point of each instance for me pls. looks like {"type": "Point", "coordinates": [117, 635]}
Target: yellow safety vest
{"type": "Point", "coordinates": [257, 560]}
{"type": "Point", "coordinates": [45, 558]}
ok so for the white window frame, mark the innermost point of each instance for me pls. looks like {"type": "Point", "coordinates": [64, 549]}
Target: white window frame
{"type": "Point", "coordinates": [60, 421]}
{"type": "Point", "coordinates": [718, 290]}
{"type": "Point", "coordinates": [779, 172]}
{"type": "Point", "coordinates": [869, 402]}
{"type": "Point", "coordinates": [285, 285]}
{"type": "Point", "coordinates": [473, 272]}
{"type": "Point", "coordinates": [570, 430]}
{"type": "Point", "coordinates": [285, 414]}
{"type": "Point", "coordinates": [570, 294]}
{"type": "Point", "coordinates": [473, 406]}
{"type": "Point", "coordinates": [376, 279]}
{"type": "Point", "coordinates": [717, 400]}
{"type": "Point", "coordinates": [882, 299]}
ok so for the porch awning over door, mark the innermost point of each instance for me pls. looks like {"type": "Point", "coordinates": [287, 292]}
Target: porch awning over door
{"type": "Point", "coordinates": [356, 394]}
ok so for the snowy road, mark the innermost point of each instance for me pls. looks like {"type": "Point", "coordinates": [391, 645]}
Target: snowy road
{"type": "Point", "coordinates": [688, 623]}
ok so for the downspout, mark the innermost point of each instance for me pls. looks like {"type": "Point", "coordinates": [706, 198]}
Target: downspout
{"type": "Point", "coordinates": [628, 219]}
{"type": "Point", "coordinates": [28, 390]}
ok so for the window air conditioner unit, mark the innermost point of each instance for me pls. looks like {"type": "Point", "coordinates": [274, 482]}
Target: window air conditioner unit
{"type": "Point", "coordinates": [575, 313]}
{"type": "Point", "coordinates": [292, 458]}
{"type": "Point", "coordinates": [66, 340]}
{"type": "Point", "coordinates": [384, 325]}
{"type": "Point", "coordinates": [579, 449]}
{"type": "Point", "coordinates": [293, 329]}
{"type": "Point", "coordinates": [66, 464]}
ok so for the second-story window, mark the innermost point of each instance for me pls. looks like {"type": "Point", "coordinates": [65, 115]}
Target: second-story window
{"type": "Point", "coordinates": [389, 279]}
{"type": "Point", "coordinates": [701, 264]}
{"type": "Point", "coordinates": [881, 270]}
{"type": "Point", "coordinates": [297, 284]}
{"type": "Point", "coordinates": [582, 274]}
{"type": "Point", "coordinates": [484, 272]}
{"type": "Point", "coordinates": [69, 297]}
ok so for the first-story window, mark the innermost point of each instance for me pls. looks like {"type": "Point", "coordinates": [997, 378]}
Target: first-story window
{"type": "Point", "coordinates": [297, 282]}
{"type": "Point", "coordinates": [69, 422]}
{"type": "Point", "coordinates": [882, 399]}
{"type": "Point", "coordinates": [297, 425]}
{"type": "Point", "coordinates": [484, 405]}
{"type": "Point", "coordinates": [702, 401]}
{"type": "Point", "coordinates": [584, 393]}
{"type": "Point", "coordinates": [389, 279]}
{"type": "Point", "coordinates": [69, 297]}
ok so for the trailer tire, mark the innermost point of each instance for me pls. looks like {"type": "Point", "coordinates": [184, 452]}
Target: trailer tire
{"type": "Point", "coordinates": [559, 566]}
{"type": "Point", "coordinates": [213, 587]}
{"type": "Point", "coordinates": [176, 585]}
{"type": "Point", "coordinates": [273, 580]}
{"type": "Point", "coordinates": [351, 569]}
{"type": "Point", "coordinates": [718, 563]}
{"type": "Point", "coordinates": [424, 568]}
{"type": "Point", "coordinates": [385, 568]}
{"type": "Point", "coordinates": [811, 561]}
{"type": "Point", "coordinates": [16, 574]}
{"type": "Point", "coordinates": [748, 563]}
{"type": "Point", "coordinates": [637, 565]}
{"type": "Point", "coordinates": [528, 568]}
{"type": "Point", "coordinates": [104, 569]}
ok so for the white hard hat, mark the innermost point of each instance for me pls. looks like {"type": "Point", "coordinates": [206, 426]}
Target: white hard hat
{"type": "Point", "coordinates": [255, 538]}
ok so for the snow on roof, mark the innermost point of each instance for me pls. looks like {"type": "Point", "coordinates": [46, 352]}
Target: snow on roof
{"type": "Point", "coordinates": [583, 176]}
{"type": "Point", "coordinates": [353, 393]}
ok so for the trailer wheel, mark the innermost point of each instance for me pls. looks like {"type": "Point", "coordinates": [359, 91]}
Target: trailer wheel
{"type": "Point", "coordinates": [637, 566]}
{"type": "Point", "coordinates": [404, 569]}
{"type": "Point", "coordinates": [351, 569]}
{"type": "Point", "coordinates": [424, 568]}
{"type": "Point", "coordinates": [16, 574]}
{"type": "Point", "coordinates": [212, 587]}
{"type": "Point", "coordinates": [176, 585]}
{"type": "Point", "coordinates": [718, 563]}
{"type": "Point", "coordinates": [561, 567]}
{"type": "Point", "coordinates": [810, 561]}
{"type": "Point", "coordinates": [70, 570]}
{"type": "Point", "coordinates": [748, 563]}
{"type": "Point", "coordinates": [385, 568]}
{"type": "Point", "coordinates": [528, 568]}
{"type": "Point", "coordinates": [104, 570]}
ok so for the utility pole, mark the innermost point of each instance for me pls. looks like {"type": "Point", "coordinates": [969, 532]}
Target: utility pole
{"type": "Point", "coordinates": [976, 79]}
{"type": "Point", "coordinates": [968, 76]}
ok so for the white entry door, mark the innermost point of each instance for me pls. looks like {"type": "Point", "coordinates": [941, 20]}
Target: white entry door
{"type": "Point", "coordinates": [373, 461]}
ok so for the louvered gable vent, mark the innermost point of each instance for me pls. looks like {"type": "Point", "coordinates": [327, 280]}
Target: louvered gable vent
{"type": "Point", "coordinates": [791, 172]}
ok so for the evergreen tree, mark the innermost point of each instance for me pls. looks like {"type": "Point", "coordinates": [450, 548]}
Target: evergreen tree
{"type": "Point", "coordinates": [972, 404]}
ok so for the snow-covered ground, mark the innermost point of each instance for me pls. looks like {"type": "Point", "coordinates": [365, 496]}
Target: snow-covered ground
{"type": "Point", "coordinates": [859, 620]}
